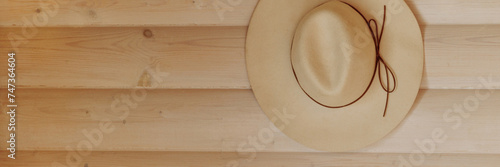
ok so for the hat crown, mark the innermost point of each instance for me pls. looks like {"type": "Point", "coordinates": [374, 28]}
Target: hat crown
{"type": "Point", "coordinates": [333, 54]}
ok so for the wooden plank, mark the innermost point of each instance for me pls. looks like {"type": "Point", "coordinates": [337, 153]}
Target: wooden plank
{"type": "Point", "coordinates": [210, 12]}
{"type": "Point", "coordinates": [212, 57]}
{"type": "Point", "coordinates": [193, 57]}
{"type": "Point", "coordinates": [456, 56]}
{"type": "Point", "coordinates": [218, 159]}
{"type": "Point", "coordinates": [129, 12]}
{"type": "Point", "coordinates": [227, 120]}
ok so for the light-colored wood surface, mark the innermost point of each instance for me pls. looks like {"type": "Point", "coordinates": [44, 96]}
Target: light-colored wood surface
{"type": "Point", "coordinates": [204, 12]}
{"type": "Point", "coordinates": [116, 57]}
{"type": "Point", "coordinates": [221, 120]}
{"type": "Point", "coordinates": [93, 53]}
{"type": "Point", "coordinates": [213, 57]}
{"type": "Point", "coordinates": [224, 159]}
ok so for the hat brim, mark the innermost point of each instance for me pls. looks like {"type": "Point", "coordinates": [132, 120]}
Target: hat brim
{"type": "Point", "coordinates": [268, 44]}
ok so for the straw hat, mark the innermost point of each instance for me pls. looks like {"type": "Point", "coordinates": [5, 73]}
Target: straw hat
{"type": "Point", "coordinates": [347, 72]}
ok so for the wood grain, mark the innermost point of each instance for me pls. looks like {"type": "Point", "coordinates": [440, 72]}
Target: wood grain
{"type": "Point", "coordinates": [87, 65]}
{"type": "Point", "coordinates": [130, 13]}
{"type": "Point", "coordinates": [193, 57]}
{"type": "Point", "coordinates": [227, 120]}
{"type": "Point", "coordinates": [457, 56]}
{"type": "Point", "coordinates": [218, 159]}
{"type": "Point", "coordinates": [212, 57]}
{"type": "Point", "coordinates": [210, 12]}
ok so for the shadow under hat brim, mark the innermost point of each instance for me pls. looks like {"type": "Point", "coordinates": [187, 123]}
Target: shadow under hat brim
{"type": "Point", "coordinates": [268, 44]}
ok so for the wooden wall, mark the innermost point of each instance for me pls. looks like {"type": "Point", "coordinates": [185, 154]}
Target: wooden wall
{"type": "Point", "coordinates": [89, 63]}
